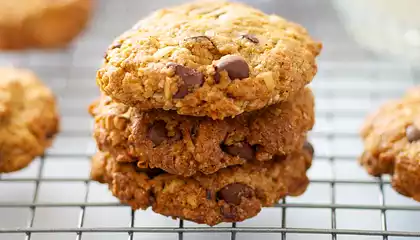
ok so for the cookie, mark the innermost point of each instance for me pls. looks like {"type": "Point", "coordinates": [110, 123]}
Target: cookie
{"type": "Point", "coordinates": [230, 195]}
{"type": "Point", "coordinates": [185, 145]}
{"type": "Point", "coordinates": [41, 23]}
{"type": "Point", "coordinates": [209, 58]}
{"type": "Point", "coordinates": [391, 138]}
{"type": "Point", "coordinates": [28, 118]}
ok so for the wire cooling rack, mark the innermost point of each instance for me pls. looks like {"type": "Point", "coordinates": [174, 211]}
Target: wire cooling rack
{"type": "Point", "coordinates": [54, 199]}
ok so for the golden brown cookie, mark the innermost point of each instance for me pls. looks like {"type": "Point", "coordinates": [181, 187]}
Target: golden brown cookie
{"type": "Point", "coordinates": [392, 143]}
{"type": "Point", "coordinates": [28, 118]}
{"type": "Point", "coordinates": [41, 23]}
{"type": "Point", "coordinates": [209, 58]}
{"type": "Point", "coordinates": [184, 145]}
{"type": "Point", "coordinates": [230, 195]}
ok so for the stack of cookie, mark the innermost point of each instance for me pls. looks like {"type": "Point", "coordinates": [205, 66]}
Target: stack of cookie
{"type": "Point", "coordinates": [204, 113]}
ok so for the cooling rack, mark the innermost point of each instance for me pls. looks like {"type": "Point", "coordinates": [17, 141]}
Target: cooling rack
{"type": "Point", "coordinates": [54, 199]}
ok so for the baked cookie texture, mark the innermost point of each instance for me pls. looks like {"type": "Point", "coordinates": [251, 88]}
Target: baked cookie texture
{"type": "Point", "coordinates": [391, 138]}
{"type": "Point", "coordinates": [28, 118]}
{"type": "Point", "coordinates": [41, 23]}
{"type": "Point", "coordinates": [230, 195]}
{"type": "Point", "coordinates": [209, 58]}
{"type": "Point", "coordinates": [185, 145]}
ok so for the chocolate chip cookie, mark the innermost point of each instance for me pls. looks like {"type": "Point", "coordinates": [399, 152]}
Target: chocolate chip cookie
{"type": "Point", "coordinates": [209, 58]}
{"type": "Point", "coordinates": [229, 195]}
{"type": "Point", "coordinates": [28, 118]}
{"type": "Point", "coordinates": [392, 143]}
{"type": "Point", "coordinates": [41, 23]}
{"type": "Point", "coordinates": [185, 145]}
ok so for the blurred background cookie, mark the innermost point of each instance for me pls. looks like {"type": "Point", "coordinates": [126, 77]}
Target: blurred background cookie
{"type": "Point", "coordinates": [28, 118]}
{"type": "Point", "coordinates": [392, 143]}
{"type": "Point", "coordinates": [41, 23]}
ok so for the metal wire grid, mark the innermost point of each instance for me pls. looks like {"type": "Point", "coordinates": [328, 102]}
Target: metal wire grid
{"type": "Point", "coordinates": [328, 115]}
{"type": "Point", "coordinates": [345, 92]}
{"type": "Point", "coordinates": [130, 229]}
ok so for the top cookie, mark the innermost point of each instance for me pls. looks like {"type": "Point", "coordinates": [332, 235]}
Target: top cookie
{"type": "Point", "coordinates": [28, 118]}
{"type": "Point", "coordinates": [41, 23]}
{"type": "Point", "coordinates": [210, 58]}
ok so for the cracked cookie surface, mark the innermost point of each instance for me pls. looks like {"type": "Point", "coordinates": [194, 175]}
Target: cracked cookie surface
{"type": "Point", "coordinates": [391, 138]}
{"type": "Point", "coordinates": [41, 23]}
{"type": "Point", "coordinates": [209, 58]}
{"type": "Point", "coordinates": [230, 195]}
{"type": "Point", "coordinates": [28, 118]}
{"type": "Point", "coordinates": [185, 145]}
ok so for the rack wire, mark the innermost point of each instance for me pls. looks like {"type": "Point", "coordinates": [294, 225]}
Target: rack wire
{"type": "Point", "coordinates": [55, 199]}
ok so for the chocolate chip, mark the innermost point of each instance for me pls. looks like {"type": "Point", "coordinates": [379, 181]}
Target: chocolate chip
{"type": "Point", "coordinates": [251, 38]}
{"type": "Point", "coordinates": [242, 150]}
{"type": "Point", "coordinates": [308, 147]}
{"type": "Point", "coordinates": [117, 45]}
{"type": "Point", "coordinates": [235, 66]}
{"type": "Point", "coordinates": [227, 212]}
{"type": "Point", "coordinates": [177, 136]}
{"type": "Point", "coordinates": [199, 38]}
{"type": "Point", "coordinates": [157, 132]}
{"type": "Point", "coordinates": [209, 195]}
{"type": "Point", "coordinates": [152, 198]}
{"type": "Point", "coordinates": [154, 172]}
{"type": "Point", "coordinates": [412, 133]}
{"type": "Point", "coordinates": [150, 172]}
{"type": "Point", "coordinates": [50, 135]}
{"type": "Point", "coordinates": [279, 157]}
{"type": "Point", "coordinates": [234, 192]}
{"type": "Point", "coordinates": [194, 130]}
{"type": "Point", "coordinates": [217, 77]}
{"type": "Point", "coordinates": [182, 92]}
{"type": "Point", "coordinates": [189, 76]}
